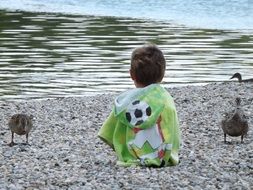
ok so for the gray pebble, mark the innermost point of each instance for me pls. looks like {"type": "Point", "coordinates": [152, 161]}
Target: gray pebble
{"type": "Point", "coordinates": [65, 152]}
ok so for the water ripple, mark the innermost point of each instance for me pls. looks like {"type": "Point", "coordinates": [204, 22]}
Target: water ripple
{"type": "Point", "coordinates": [51, 55]}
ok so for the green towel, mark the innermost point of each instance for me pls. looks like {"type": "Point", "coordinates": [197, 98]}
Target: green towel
{"type": "Point", "coordinates": [143, 128]}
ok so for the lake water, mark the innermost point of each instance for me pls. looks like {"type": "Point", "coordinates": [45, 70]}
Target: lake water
{"type": "Point", "coordinates": [74, 50]}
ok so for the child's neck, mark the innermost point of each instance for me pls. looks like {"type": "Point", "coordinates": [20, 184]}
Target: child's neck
{"type": "Point", "coordinates": [139, 85]}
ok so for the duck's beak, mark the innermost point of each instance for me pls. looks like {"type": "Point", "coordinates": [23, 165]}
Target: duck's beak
{"type": "Point", "coordinates": [232, 77]}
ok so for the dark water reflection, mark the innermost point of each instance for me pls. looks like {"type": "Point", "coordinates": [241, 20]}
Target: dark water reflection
{"type": "Point", "coordinates": [49, 55]}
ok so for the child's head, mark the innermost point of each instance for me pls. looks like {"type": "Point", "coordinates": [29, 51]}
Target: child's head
{"type": "Point", "coordinates": [147, 65]}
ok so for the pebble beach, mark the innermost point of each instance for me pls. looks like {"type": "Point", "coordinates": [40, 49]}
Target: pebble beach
{"type": "Point", "coordinates": [65, 152]}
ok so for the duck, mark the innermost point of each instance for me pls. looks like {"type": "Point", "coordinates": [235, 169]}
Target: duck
{"type": "Point", "coordinates": [235, 123]}
{"type": "Point", "coordinates": [239, 77]}
{"type": "Point", "coordinates": [20, 124]}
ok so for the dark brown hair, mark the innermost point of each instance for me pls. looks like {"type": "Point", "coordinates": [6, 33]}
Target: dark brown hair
{"type": "Point", "coordinates": [148, 64]}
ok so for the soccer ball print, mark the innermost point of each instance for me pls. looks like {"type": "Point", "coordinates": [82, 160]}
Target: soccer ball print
{"type": "Point", "coordinates": [138, 112]}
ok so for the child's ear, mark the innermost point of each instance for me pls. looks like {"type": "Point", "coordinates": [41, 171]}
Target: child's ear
{"type": "Point", "coordinates": [132, 75]}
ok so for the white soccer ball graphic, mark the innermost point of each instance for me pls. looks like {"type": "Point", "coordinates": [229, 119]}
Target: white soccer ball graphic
{"type": "Point", "coordinates": [138, 112]}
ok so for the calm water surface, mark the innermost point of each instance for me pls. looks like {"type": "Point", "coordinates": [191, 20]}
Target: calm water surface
{"type": "Point", "coordinates": [51, 55]}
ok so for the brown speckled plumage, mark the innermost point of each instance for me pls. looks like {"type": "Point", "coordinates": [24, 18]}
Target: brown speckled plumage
{"type": "Point", "coordinates": [235, 124]}
{"type": "Point", "coordinates": [20, 124]}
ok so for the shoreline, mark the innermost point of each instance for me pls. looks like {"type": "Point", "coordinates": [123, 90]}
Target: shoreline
{"type": "Point", "coordinates": [65, 151]}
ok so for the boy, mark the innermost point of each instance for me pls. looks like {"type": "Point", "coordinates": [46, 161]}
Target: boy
{"type": "Point", "coordinates": [143, 127]}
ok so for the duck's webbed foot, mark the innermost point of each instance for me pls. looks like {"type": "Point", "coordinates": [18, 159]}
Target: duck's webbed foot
{"type": "Point", "coordinates": [26, 143]}
{"type": "Point", "coordinates": [11, 144]}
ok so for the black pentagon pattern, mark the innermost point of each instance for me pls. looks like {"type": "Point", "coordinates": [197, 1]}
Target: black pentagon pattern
{"type": "Point", "coordinates": [138, 113]}
{"type": "Point", "coordinates": [128, 117]}
{"type": "Point", "coordinates": [136, 102]}
{"type": "Point", "coordinates": [148, 111]}
{"type": "Point", "coordinates": [139, 122]}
